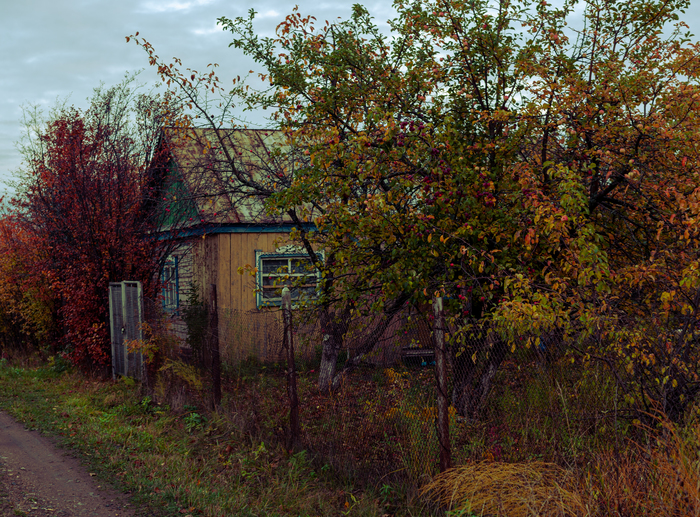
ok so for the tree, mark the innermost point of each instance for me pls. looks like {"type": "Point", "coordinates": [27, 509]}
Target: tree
{"type": "Point", "coordinates": [27, 304]}
{"type": "Point", "coordinates": [536, 174]}
{"type": "Point", "coordinates": [249, 179]}
{"type": "Point", "coordinates": [89, 200]}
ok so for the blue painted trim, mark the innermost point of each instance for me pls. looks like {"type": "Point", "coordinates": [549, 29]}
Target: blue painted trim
{"type": "Point", "coordinates": [177, 282]}
{"type": "Point", "coordinates": [233, 228]}
{"type": "Point", "coordinates": [259, 256]}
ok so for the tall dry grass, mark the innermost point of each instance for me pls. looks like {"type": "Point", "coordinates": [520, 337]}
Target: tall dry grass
{"type": "Point", "coordinates": [660, 478]}
{"type": "Point", "coordinates": [535, 489]}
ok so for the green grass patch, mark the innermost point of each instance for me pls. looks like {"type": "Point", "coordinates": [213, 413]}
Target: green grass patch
{"type": "Point", "coordinates": [188, 462]}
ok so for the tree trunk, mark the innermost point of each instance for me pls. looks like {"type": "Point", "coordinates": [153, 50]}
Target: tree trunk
{"type": "Point", "coordinates": [335, 327]}
{"type": "Point", "coordinates": [472, 380]}
{"type": "Point", "coordinates": [333, 335]}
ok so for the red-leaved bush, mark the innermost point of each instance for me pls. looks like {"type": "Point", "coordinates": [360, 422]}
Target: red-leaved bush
{"type": "Point", "coordinates": [88, 200]}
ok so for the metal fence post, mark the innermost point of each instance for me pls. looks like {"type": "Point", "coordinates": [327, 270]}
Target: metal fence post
{"type": "Point", "coordinates": [291, 369]}
{"type": "Point", "coordinates": [214, 345]}
{"type": "Point", "coordinates": [443, 424]}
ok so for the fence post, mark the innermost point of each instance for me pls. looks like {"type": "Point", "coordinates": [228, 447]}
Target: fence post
{"type": "Point", "coordinates": [214, 345]}
{"type": "Point", "coordinates": [291, 369]}
{"type": "Point", "coordinates": [443, 423]}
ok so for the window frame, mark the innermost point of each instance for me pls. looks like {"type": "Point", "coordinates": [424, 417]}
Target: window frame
{"type": "Point", "coordinates": [288, 253]}
{"type": "Point", "coordinates": [171, 289]}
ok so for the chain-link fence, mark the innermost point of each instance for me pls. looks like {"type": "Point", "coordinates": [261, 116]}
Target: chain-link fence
{"type": "Point", "coordinates": [380, 420]}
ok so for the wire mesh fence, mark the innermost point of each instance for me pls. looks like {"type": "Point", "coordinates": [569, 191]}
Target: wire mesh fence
{"type": "Point", "coordinates": [380, 421]}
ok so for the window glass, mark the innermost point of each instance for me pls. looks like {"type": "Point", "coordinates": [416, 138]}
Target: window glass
{"type": "Point", "coordinates": [275, 272]}
{"type": "Point", "coordinates": [169, 280]}
{"type": "Point", "coordinates": [271, 265]}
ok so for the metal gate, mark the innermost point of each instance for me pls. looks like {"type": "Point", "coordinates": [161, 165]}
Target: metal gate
{"type": "Point", "coordinates": [125, 322]}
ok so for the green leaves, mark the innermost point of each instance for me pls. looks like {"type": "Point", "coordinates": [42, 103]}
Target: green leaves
{"type": "Point", "coordinates": [537, 175]}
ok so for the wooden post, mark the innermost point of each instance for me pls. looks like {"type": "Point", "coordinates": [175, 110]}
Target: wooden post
{"type": "Point", "coordinates": [443, 422]}
{"type": "Point", "coordinates": [214, 345]}
{"type": "Point", "coordinates": [291, 370]}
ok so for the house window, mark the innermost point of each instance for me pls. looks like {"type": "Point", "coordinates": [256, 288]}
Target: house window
{"type": "Point", "coordinates": [170, 282]}
{"type": "Point", "coordinates": [293, 269]}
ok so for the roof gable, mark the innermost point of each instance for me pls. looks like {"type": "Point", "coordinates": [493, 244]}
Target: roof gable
{"type": "Point", "coordinates": [226, 174]}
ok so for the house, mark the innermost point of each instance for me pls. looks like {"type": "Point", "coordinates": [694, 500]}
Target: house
{"type": "Point", "coordinates": [217, 181]}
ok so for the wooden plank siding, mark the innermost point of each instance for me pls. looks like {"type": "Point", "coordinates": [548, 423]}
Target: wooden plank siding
{"type": "Point", "coordinates": [221, 256]}
{"type": "Point", "coordinates": [224, 265]}
{"type": "Point", "coordinates": [246, 331]}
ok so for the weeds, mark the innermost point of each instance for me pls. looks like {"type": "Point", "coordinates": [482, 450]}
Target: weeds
{"type": "Point", "coordinates": [547, 444]}
{"type": "Point", "coordinates": [194, 421]}
{"type": "Point", "coordinates": [172, 461]}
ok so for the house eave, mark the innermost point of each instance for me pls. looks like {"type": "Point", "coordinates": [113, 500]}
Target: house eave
{"type": "Point", "coordinates": [213, 229]}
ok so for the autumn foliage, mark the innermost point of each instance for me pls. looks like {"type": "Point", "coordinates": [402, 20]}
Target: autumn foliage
{"type": "Point", "coordinates": [535, 164]}
{"type": "Point", "coordinates": [85, 215]}
{"type": "Point", "coordinates": [542, 174]}
{"type": "Point", "coordinates": [27, 303]}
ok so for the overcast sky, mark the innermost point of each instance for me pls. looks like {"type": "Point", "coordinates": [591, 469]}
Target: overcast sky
{"type": "Point", "coordinates": [51, 49]}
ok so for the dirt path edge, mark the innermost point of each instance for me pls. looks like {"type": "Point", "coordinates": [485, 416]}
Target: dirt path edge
{"type": "Point", "coordinates": [38, 479]}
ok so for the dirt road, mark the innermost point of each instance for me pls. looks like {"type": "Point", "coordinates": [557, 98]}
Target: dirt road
{"type": "Point", "coordinates": [37, 479]}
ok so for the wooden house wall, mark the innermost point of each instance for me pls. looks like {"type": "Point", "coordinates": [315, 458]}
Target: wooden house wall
{"type": "Point", "coordinates": [218, 258]}
{"type": "Point", "coordinates": [245, 331]}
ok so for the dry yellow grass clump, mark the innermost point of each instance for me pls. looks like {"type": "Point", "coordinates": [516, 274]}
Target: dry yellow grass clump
{"type": "Point", "coordinates": [507, 489]}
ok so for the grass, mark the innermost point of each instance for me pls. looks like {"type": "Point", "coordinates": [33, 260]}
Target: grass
{"type": "Point", "coordinates": [173, 462]}
{"type": "Point", "coordinates": [549, 442]}
{"type": "Point", "coordinates": [513, 489]}
{"type": "Point", "coordinates": [555, 415]}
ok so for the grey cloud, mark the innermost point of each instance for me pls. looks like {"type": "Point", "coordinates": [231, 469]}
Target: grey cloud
{"type": "Point", "coordinates": [57, 48]}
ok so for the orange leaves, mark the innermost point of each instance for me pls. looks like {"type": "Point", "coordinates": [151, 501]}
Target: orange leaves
{"type": "Point", "coordinates": [530, 237]}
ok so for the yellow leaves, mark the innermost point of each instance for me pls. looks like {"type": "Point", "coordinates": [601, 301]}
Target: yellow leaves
{"type": "Point", "coordinates": [666, 298]}
{"type": "Point", "coordinates": [430, 237]}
